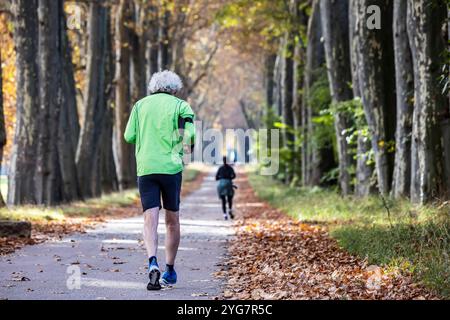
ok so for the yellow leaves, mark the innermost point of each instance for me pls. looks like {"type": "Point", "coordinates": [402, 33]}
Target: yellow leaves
{"type": "Point", "coordinates": [9, 82]}
{"type": "Point", "coordinates": [389, 146]}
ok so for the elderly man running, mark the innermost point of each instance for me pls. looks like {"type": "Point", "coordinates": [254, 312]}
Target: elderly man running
{"type": "Point", "coordinates": [162, 127]}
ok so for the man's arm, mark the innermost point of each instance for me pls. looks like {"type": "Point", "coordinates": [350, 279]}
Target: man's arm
{"type": "Point", "coordinates": [130, 131]}
{"type": "Point", "coordinates": [187, 123]}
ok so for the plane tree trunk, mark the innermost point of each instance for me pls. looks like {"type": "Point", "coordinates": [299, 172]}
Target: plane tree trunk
{"type": "Point", "coordinates": [69, 127]}
{"type": "Point", "coordinates": [317, 157]}
{"type": "Point", "coordinates": [404, 75]}
{"type": "Point", "coordinates": [123, 152]}
{"type": "Point", "coordinates": [364, 171]}
{"type": "Point", "coordinates": [94, 105]}
{"type": "Point", "coordinates": [425, 23]}
{"type": "Point", "coordinates": [48, 177]}
{"type": "Point", "coordinates": [2, 126]}
{"type": "Point", "coordinates": [21, 189]}
{"type": "Point", "coordinates": [335, 28]}
{"type": "Point", "coordinates": [376, 72]}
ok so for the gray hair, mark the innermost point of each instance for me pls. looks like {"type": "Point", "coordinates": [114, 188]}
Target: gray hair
{"type": "Point", "coordinates": [165, 81]}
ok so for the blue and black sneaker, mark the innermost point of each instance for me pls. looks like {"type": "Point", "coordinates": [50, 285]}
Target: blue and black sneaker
{"type": "Point", "coordinates": [154, 274]}
{"type": "Point", "coordinates": [169, 277]}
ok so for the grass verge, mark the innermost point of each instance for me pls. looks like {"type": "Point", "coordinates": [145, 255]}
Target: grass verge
{"type": "Point", "coordinates": [414, 239]}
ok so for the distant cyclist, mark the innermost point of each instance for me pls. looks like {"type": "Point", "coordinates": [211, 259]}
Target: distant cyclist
{"type": "Point", "coordinates": [225, 188]}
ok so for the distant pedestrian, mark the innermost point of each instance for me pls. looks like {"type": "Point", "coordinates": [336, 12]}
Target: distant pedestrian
{"type": "Point", "coordinates": [225, 188]}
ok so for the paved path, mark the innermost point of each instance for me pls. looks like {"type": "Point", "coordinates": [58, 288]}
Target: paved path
{"type": "Point", "coordinates": [112, 259]}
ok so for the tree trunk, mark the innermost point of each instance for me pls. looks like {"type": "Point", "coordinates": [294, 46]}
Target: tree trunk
{"type": "Point", "coordinates": [152, 43]}
{"type": "Point", "coordinates": [287, 98]}
{"type": "Point", "coordinates": [107, 166]}
{"type": "Point", "coordinates": [446, 124]}
{"type": "Point", "coordinates": [123, 152]}
{"type": "Point", "coordinates": [376, 77]}
{"type": "Point", "coordinates": [299, 57]}
{"type": "Point", "coordinates": [21, 188]}
{"type": "Point", "coordinates": [404, 75]}
{"type": "Point", "coordinates": [2, 126]}
{"type": "Point", "coordinates": [277, 81]}
{"type": "Point", "coordinates": [137, 43]}
{"type": "Point", "coordinates": [48, 173]}
{"type": "Point", "coordinates": [88, 147]}
{"type": "Point", "coordinates": [269, 79]}
{"type": "Point", "coordinates": [425, 22]}
{"type": "Point", "coordinates": [335, 26]}
{"type": "Point", "coordinates": [313, 156]}
{"type": "Point", "coordinates": [69, 127]}
{"type": "Point", "coordinates": [364, 171]}
{"type": "Point", "coordinates": [165, 54]}
{"type": "Point", "coordinates": [108, 181]}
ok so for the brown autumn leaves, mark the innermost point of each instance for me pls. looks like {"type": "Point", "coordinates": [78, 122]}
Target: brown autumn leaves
{"type": "Point", "coordinates": [275, 257]}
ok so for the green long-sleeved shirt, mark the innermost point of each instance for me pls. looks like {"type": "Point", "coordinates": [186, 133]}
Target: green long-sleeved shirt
{"type": "Point", "coordinates": [153, 127]}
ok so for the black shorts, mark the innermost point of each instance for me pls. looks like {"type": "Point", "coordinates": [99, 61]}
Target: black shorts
{"type": "Point", "coordinates": [154, 186]}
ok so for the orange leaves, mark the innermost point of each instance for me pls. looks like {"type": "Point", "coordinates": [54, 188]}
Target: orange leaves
{"type": "Point", "coordinates": [9, 81]}
{"type": "Point", "coordinates": [277, 258]}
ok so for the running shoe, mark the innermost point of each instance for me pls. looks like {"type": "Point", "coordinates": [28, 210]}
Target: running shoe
{"type": "Point", "coordinates": [153, 274]}
{"type": "Point", "coordinates": [169, 277]}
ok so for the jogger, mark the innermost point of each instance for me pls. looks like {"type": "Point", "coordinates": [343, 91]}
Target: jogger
{"type": "Point", "coordinates": [161, 126]}
{"type": "Point", "coordinates": [225, 188]}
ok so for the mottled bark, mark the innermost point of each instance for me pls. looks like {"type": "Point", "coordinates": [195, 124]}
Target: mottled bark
{"type": "Point", "coordinates": [404, 75]}
{"type": "Point", "coordinates": [48, 177]}
{"type": "Point", "coordinates": [376, 77]}
{"type": "Point", "coordinates": [94, 105]}
{"type": "Point", "coordinates": [69, 127]}
{"type": "Point", "coordinates": [269, 79]}
{"type": "Point", "coordinates": [287, 99]}
{"type": "Point", "coordinates": [364, 171]}
{"type": "Point", "coordinates": [107, 167]}
{"type": "Point", "coordinates": [137, 62]}
{"type": "Point", "coordinates": [21, 188]}
{"type": "Point", "coordinates": [152, 43]}
{"type": "Point", "coordinates": [446, 157]}
{"type": "Point", "coordinates": [277, 80]}
{"type": "Point", "coordinates": [108, 181]}
{"type": "Point", "coordinates": [299, 56]}
{"type": "Point", "coordinates": [316, 159]}
{"type": "Point", "coordinates": [165, 54]}
{"type": "Point", "coordinates": [123, 152]}
{"type": "Point", "coordinates": [335, 26]}
{"type": "Point", "coordinates": [425, 22]}
{"type": "Point", "coordinates": [2, 126]}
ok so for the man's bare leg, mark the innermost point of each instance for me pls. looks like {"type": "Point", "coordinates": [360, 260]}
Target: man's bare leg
{"type": "Point", "coordinates": [151, 243]}
{"type": "Point", "coordinates": [172, 236]}
{"type": "Point", "coordinates": [151, 217]}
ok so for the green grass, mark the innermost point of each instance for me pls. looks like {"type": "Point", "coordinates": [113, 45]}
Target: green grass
{"type": "Point", "coordinates": [412, 238]}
